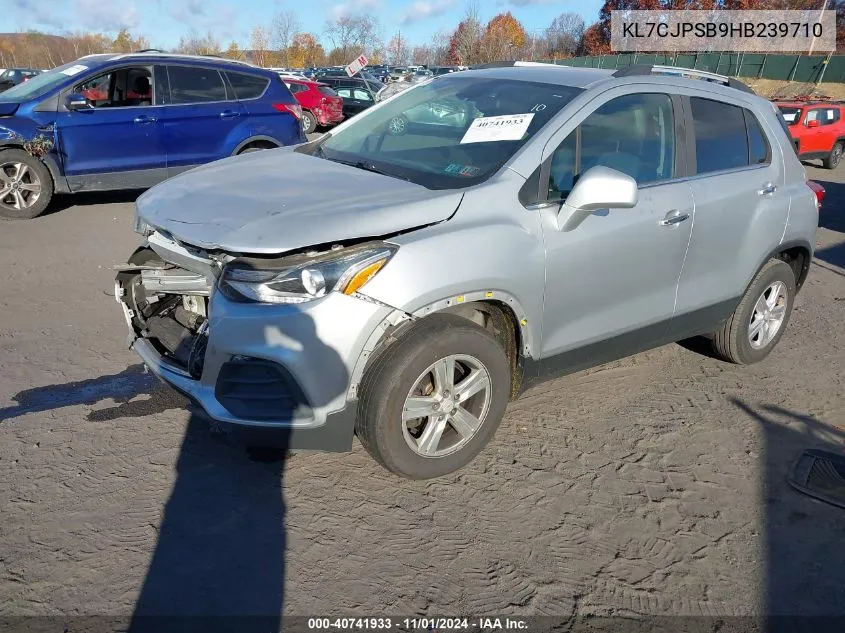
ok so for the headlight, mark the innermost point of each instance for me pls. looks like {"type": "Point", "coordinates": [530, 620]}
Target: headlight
{"type": "Point", "coordinates": [304, 279]}
{"type": "Point", "coordinates": [140, 226]}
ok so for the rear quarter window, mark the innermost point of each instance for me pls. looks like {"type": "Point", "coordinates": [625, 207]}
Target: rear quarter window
{"type": "Point", "coordinates": [247, 86]}
{"type": "Point", "coordinates": [758, 147]}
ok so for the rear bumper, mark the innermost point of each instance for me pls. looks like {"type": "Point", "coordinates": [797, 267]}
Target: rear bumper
{"type": "Point", "coordinates": [325, 117]}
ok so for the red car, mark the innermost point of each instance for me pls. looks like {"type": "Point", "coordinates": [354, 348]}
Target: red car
{"type": "Point", "coordinates": [817, 129]}
{"type": "Point", "coordinates": [320, 104]}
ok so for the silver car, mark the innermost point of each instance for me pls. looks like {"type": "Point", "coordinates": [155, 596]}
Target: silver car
{"type": "Point", "coordinates": [405, 288]}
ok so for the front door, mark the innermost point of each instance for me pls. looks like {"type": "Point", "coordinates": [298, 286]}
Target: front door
{"type": "Point", "coordinates": [116, 142]}
{"type": "Point", "coordinates": [611, 281]}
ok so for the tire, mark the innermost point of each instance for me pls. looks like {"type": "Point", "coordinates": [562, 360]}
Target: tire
{"type": "Point", "coordinates": [397, 126]}
{"type": "Point", "coordinates": [831, 161]}
{"type": "Point", "coordinates": [309, 122]}
{"type": "Point", "coordinates": [734, 342]}
{"type": "Point", "coordinates": [17, 191]}
{"type": "Point", "coordinates": [397, 371]}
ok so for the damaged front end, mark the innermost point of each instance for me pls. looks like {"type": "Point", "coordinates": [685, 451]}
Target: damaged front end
{"type": "Point", "coordinates": [164, 291]}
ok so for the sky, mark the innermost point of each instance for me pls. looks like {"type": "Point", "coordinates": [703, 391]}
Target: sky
{"type": "Point", "coordinates": [163, 22]}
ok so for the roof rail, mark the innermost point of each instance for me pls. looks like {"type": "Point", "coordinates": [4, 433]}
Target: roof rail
{"type": "Point", "coordinates": [149, 50]}
{"type": "Point", "coordinates": [652, 69]}
{"type": "Point", "coordinates": [510, 64]}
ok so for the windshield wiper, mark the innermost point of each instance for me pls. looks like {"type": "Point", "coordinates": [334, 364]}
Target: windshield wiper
{"type": "Point", "coordinates": [360, 164]}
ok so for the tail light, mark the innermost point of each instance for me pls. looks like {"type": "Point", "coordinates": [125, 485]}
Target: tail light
{"type": "Point", "coordinates": [818, 190]}
{"type": "Point", "coordinates": [294, 109]}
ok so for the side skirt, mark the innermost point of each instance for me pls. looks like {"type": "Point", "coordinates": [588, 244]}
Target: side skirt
{"type": "Point", "coordinates": [702, 321]}
{"type": "Point", "coordinates": [110, 181]}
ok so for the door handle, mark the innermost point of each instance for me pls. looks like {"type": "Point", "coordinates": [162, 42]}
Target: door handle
{"type": "Point", "coordinates": [144, 119]}
{"type": "Point", "coordinates": [674, 217]}
{"type": "Point", "coordinates": [229, 114]}
{"type": "Point", "coordinates": [767, 189]}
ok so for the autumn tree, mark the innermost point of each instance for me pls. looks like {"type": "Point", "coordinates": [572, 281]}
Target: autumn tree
{"type": "Point", "coordinates": [125, 43]}
{"type": "Point", "coordinates": [194, 44]}
{"type": "Point", "coordinates": [397, 50]}
{"type": "Point", "coordinates": [234, 51]}
{"type": "Point", "coordinates": [305, 51]}
{"type": "Point", "coordinates": [285, 27]}
{"type": "Point", "coordinates": [260, 44]}
{"type": "Point", "coordinates": [504, 37]}
{"type": "Point", "coordinates": [352, 35]}
{"type": "Point", "coordinates": [563, 36]}
{"type": "Point", "coordinates": [464, 43]}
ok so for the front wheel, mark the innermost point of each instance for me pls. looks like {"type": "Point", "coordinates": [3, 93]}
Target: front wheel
{"type": "Point", "coordinates": [831, 161]}
{"type": "Point", "coordinates": [432, 400]}
{"type": "Point", "coordinates": [26, 186]}
{"type": "Point", "coordinates": [759, 321]}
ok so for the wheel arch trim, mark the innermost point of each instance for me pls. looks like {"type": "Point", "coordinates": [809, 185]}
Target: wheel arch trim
{"type": "Point", "coordinates": [398, 320]}
{"type": "Point", "coordinates": [255, 139]}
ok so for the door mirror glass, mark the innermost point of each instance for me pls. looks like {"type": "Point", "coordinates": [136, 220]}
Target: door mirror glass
{"type": "Point", "coordinates": [602, 188]}
{"type": "Point", "coordinates": [77, 101]}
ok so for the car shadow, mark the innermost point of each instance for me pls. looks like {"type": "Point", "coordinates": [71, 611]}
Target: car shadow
{"type": "Point", "coordinates": [122, 387]}
{"type": "Point", "coordinates": [63, 201]}
{"type": "Point", "coordinates": [832, 214]}
{"type": "Point", "coordinates": [804, 565]}
{"type": "Point", "coordinates": [219, 562]}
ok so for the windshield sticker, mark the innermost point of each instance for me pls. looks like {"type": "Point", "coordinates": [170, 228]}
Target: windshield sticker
{"type": "Point", "coordinates": [467, 171]}
{"type": "Point", "coordinates": [74, 70]}
{"type": "Point", "coordinates": [509, 127]}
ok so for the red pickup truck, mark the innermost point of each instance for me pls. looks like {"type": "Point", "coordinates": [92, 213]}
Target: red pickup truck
{"type": "Point", "coordinates": [817, 129]}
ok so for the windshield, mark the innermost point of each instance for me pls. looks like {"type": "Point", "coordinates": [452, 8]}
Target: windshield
{"type": "Point", "coordinates": [790, 114]}
{"type": "Point", "coordinates": [42, 83]}
{"type": "Point", "coordinates": [449, 133]}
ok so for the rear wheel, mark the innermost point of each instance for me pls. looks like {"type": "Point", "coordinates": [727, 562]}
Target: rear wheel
{"type": "Point", "coordinates": [432, 400]}
{"type": "Point", "coordinates": [760, 319]}
{"type": "Point", "coordinates": [831, 161]}
{"type": "Point", "coordinates": [309, 122]}
{"type": "Point", "coordinates": [26, 186]}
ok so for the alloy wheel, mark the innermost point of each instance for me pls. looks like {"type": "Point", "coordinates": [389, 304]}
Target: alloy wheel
{"type": "Point", "coordinates": [446, 406]}
{"type": "Point", "coordinates": [768, 315]}
{"type": "Point", "coordinates": [20, 186]}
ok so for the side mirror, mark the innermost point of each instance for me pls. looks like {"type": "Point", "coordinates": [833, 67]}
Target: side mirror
{"type": "Point", "coordinates": [813, 123]}
{"type": "Point", "coordinates": [597, 188]}
{"type": "Point", "coordinates": [77, 101]}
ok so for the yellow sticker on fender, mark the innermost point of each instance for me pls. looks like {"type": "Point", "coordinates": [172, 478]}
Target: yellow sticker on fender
{"type": "Point", "coordinates": [509, 127]}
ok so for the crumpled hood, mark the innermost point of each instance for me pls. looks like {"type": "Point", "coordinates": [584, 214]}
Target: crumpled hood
{"type": "Point", "coordinates": [274, 201]}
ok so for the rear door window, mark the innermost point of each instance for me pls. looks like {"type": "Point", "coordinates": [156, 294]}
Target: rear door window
{"type": "Point", "coordinates": [247, 86]}
{"type": "Point", "coordinates": [194, 84]}
{"type": "Point", "coordinates": [721, 141]}
{"type": "Point", "coordinates": [327, 91]}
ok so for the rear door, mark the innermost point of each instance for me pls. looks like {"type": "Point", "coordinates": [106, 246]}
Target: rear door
{"type": "Point", "coordinates": [117, 142]}
{"type": "Point", "coordinates": [200, 123]}
{"type": "Point", "coordinates": [741, 207]}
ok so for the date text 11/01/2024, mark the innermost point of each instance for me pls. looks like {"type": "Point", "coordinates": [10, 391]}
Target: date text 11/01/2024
{"type": "Point", "coordinates": [416, 624]}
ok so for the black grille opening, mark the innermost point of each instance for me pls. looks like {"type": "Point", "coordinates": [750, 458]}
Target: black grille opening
{"type": "Point", "coordinates": [257, 389]}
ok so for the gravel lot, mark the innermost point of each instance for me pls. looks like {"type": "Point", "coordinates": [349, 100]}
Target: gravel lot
{"type": "Point", "coordinates": [653, 485]}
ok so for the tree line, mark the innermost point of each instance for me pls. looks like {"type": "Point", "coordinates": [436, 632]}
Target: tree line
{"type": "Point", "coordinates": [282, 42]}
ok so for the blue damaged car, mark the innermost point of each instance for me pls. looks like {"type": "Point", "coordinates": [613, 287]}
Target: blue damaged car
{"type": "Point", "coordinates": [106, 122]}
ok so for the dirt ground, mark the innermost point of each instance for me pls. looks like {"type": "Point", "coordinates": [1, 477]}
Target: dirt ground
{"type": "Point", "coordinates": [653, 485]}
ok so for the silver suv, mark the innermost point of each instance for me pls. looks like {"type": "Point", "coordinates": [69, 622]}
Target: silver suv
{"type": "Point", "coordinates": [402, 283]}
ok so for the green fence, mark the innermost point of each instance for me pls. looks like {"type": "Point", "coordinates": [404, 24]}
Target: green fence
{"type": "Point", "coordinates": [804, 68]}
